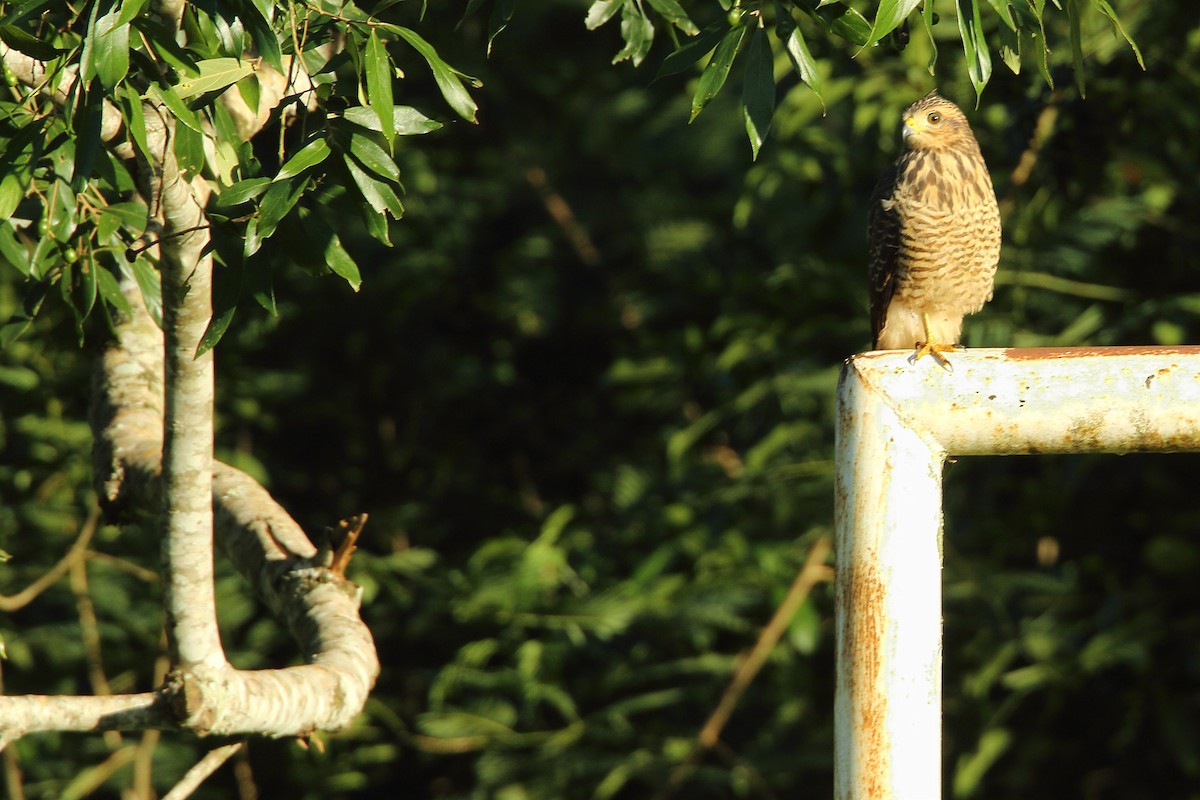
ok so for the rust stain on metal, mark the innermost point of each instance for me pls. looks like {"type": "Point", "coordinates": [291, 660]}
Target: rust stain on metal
{"type": "Point", "coordinates": [1041, 353]}
{"type": "Point", "coordinates": [863, 636]}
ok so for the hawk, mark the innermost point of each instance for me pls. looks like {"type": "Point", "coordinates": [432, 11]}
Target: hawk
{"type": "Point", "coordinates": [934, 234]}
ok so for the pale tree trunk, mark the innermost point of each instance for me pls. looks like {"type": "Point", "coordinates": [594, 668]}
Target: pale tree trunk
{"type": "Point", "coordinates": [152, 418]}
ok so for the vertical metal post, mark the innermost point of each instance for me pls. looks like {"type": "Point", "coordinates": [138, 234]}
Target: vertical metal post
{"type": "Point", "coordinates": [888, 704]}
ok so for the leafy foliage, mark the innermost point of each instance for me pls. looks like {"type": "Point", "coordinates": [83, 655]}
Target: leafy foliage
{"type": "Point", "coordinates": [61, 183]}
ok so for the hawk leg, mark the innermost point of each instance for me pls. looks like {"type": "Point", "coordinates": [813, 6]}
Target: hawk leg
{"type": "Point", "coordinates": [932, 348]}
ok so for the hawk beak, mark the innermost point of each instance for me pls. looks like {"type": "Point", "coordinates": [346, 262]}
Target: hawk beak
{"type": "Point", "coordinates": [910, 127]}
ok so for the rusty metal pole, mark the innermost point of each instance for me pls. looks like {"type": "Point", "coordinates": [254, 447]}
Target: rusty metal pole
{"type": "Point", "coordinates": [888, 703]}
{"type": "Point", "coordinates": [897, 422]}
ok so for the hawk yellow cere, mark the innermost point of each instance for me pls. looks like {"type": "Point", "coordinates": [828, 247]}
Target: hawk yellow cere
{"type": "Point", "coordinates": [934, 231]}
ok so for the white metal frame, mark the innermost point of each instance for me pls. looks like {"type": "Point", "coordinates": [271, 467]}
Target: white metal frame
{"type": "Point", "coordinates": [897, 424]}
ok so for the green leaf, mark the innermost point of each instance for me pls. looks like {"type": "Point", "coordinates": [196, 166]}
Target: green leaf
{"type": "Point", "coordinates": [78, 289]}
{"type": "Point", "coordinates": [251, 241]}
{"type": "Point", "coordinates": [675, 14]}
{"type": "Point", "coordinates": [129, 10]}
{"type": "Point", "coordinates": [377, 225]}
{"type": "Point", "coordinates": [717, 70]}
{"type": "Point", "coordinates": [276, 203]}
{"type": "Point", "coordinates": [378, 67]}
{"type": "Point", "coordinates": [341, 263]}
{"type": "Point", "coordinates": [378, 194]}
{"type": "Point", "coordinates": [89, 117]}
{"type": "Point", "coordinates": [127, 216]}
{"type": "Point", "coordinates": [165, 95]}
{"type": "Point", "coordinates": [1111, 16]}
{"type": "Point", "coordinates": [214, 74]}
{"type": "Point", "coordinates": [601, 12]}
{"type": "Point", "coordinates": [162, 42]}
{"type": "Point", "coordinates": [106, 48]}
{"type": "Point", "coordinates": [840, 20]}
{"type": "Point", "coordinates": [12, 251]}
{"type": "Point", "coordinates": [310, 155]}
{"type": "Point", "coordinates": [889, 16]}
{"type": "Point", "coordinates": [150, 283]}
{"type": "Point", "coordinates": [26, 43]}
{"type": "Point", "coordinates": [694, 50]}
{"type": "Point", "coordinates": [371, 155]}
{"type": "Point", "coordinates": [189, 149]}
{"type": "Point", "coordinates": [758, 90]}
{"type": "Point", "coordinates": [798, 52]}
{"type": "Point", "coordinates": [240, 192]}
{"type": "Point", "coordinates": [251, 91]}
{"type": "Point", "coordinates": [927, 18]}
{"type": "Point", "coordinates": [11, 193]}
{"type": "Point", "coordinates": [979, 62]}
{"type": "Point", "coordinates": [502, 12]}
{"type": "Point", "coordinates": [407, 120]}
{"type": "Point", "coordinates": [638, 32]}
{"type": "Point", "coordinates": [24, 10]}
{"type": "Point", "coordinates": [134, 117]}
{"type": "Point", "coordinates": [110, 292]}
{"type": "Point", "coordinates": [262, 32]}
{"type": "Point", "coordinates": [448, 79]}
{"type": "Point", "coordinates": [227, 291]}
{"type": "Point", "coordinates": [31, 302]}
{"type": "Point", "coordinates": [1073, 18]}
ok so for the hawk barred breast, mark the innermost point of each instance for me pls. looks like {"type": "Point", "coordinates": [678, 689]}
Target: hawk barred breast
{"type": "Point", "coordinates": [934, 234]}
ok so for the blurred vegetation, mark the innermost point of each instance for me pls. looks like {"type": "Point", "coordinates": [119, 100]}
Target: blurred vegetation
{"type": "Point", "coordinates": [587, 399]}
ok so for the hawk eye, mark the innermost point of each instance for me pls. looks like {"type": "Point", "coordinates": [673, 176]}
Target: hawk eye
{"type": "Point", "coordinates": [934, 118]}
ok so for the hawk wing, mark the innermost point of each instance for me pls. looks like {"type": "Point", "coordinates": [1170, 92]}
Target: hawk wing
{"type": "Point", "coordinates": [883, 238]}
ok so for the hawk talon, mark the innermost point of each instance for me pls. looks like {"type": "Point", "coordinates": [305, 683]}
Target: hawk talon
{"type": "Point", "coordinates": [934, 349]}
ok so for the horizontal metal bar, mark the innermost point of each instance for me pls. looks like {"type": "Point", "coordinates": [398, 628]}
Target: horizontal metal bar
{"type": "Point", "coordinates": [1044, 400]}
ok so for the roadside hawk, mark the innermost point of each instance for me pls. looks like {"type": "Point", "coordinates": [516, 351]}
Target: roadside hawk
{"type": "Point", "coordinates": [934, 234]}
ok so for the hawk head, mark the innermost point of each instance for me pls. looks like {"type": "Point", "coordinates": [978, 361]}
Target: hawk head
{"type": "Point", "coordinates": [934, 123]}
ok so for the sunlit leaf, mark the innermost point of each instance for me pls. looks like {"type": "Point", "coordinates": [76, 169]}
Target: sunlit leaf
{"type": "Point", "coordinates": [11, 193]}
{"type": "Point", "coordinates": [601, 12]}
{"type": "Point", "coordinates": [798, 52]}
{"type": "Point", "coordinates": [408, 121]}
{"type": "Point", "coordinates": [448, 79]}
{"type": "Point", "coordinates": [215, 74]}
{"type": "Point", "coordinates": [839, 19]}
{"type": "Point", "coordinates": [970, 28]}
{"type": "Point", "coordinates": [377, 193]}
{"type": "Point", "coordinates": [888, 17]}
{"type": "Point", "coordinates": [1111, 16]}
{"type": "Point", "coordinates": [638, 32]}
{"type": "Point", "coordinates": [378, 68]}
{"type": "Point", "coordinates": [674, 13]}
{"type": "Point", "coordinates": [371, 155]}
{"type": "Point", "coordinates": [168, 97]}
{"type": "Point", "coordinates": [308, 156]}
{"type": "Point", "coordinates": [717, 70]}
{"type": "Point", "coordinates": [105, 52]}
{"type": "Point", "coordinates": [242, 191]}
